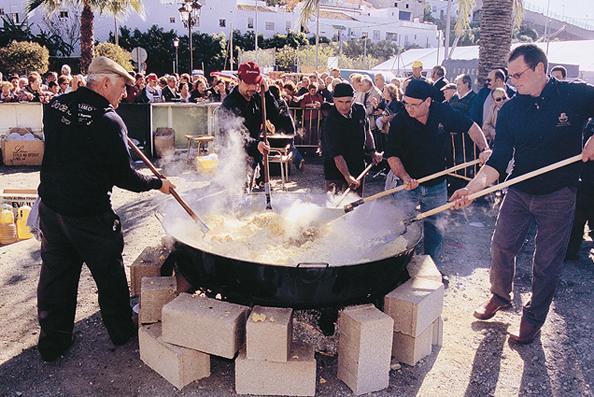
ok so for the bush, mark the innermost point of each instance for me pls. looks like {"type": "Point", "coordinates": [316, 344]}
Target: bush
{"type": "Point", "coordinates": [23, 57]}
{"type": "Point", "coordinates": [115, 53]}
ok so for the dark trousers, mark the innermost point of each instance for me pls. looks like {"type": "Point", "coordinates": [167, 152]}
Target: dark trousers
{"type": "Point", "coordinates": [553, 215]}
{"type": "Point", "coordinates": [67, 243]}
{"type": "Point", "coordinates": [584, 212]}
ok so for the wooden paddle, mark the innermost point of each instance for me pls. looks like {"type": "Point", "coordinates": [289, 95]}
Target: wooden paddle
{"type": "Point", "coordinates": [499, 186]}
{"type": "Point", "coordinates": [361, 176]}
{"type": "Point", "coordinates": [173, 192]}
{"type": "Point", "coordinates": [265, 156]}
{"type": "Point", "coordinates": [355, 204]}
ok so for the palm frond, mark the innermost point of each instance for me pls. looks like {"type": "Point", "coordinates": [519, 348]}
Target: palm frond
{"type": "Point", "coordinates": [49, 5]}
{"type": "Point", "coordinates": [121, 8]}
{"type": "Point", "coordinates": [464, 16]}
{"type": "Point", "coordinates": [518, 13]}
{"type": "Point", "coordinates": [309, 8]}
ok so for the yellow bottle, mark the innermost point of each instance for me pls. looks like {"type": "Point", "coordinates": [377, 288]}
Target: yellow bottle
{"type": "Point", "coordinates": [23, 231]}
{"type": "Point", "coordinates": [8, 233]}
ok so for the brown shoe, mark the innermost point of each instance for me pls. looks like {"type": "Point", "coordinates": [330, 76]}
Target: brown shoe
{"type": "Point", "coordinates": [528, 332]}
{"type": "Point", "coordinates": [488, 309]}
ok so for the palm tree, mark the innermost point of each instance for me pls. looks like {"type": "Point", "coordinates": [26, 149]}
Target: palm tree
{"type": "Point", "coordinates": [87, 40]}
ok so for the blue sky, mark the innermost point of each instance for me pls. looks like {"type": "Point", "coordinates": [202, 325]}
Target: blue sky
{"type": "Point", "coordinates": [579, 9]}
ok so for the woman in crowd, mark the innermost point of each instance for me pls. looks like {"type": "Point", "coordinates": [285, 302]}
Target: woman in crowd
{"type": "Point", "coordinates": [310, 104]}
{"type": "Point", "coordinates": [200, 92]}
{"type": "Point", "coordinates": [184, 92]}
{"type": "Point", "coordinates": [7, 94]}
{"type": "Point", "coordinates": [218, 91]}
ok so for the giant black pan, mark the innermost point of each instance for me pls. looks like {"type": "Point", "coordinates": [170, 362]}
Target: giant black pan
{"type": "Point", "coordinates": [302, 285]}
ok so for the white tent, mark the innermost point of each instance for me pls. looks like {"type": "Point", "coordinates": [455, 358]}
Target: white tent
{"type": "Point", "coordinates": [578, 52]}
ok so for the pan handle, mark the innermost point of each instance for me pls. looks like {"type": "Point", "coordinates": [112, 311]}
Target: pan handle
{"type": "Point", "coordinates": [312, 265]}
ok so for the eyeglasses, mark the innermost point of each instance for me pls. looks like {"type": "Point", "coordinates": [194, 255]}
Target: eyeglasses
{"type": "Point", "coordinates": [516, 76]}
{"type": "Point", "coordinates": [499, 99]}
{"type": "Point", "coordinates": [411, 105]}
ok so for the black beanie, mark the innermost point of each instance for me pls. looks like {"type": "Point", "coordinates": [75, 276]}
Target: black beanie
{"type": "Point", "coordinates": [418, 89]}
{"type": "Point", "coordinates": [342, 90]}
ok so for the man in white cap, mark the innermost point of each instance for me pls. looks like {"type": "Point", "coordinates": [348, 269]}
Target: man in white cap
{"type": "Point", "coordinates": [86, 155]}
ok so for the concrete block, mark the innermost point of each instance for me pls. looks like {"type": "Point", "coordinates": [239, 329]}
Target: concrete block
{"type": "Point", "coordinates": [208, 325]}
{"type": "Point", "coordinates": [422, 266]}
{"type": "Point", "coordinates": [148, 264]}
{"type": "Point", "coordinates": [178, 365]}
{"type": "Point", "coordinates": [364, 348]}
{"type": "Point", "coordinates": [269, 331]}
{"type": "Point", "coordinates": [410, 349]}
{"type": "Point", "coordinates": [155, 292]}
{"type": "Point", "coordinates": [414, 305]}
{"type": "Point", "coordinates": [437, 339]}
{"type": "Point", "coordinates": [296, 377]}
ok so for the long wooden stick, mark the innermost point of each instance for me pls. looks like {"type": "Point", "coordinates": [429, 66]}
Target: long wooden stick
{"type": "Point", "coordinates": [173, 192]}
{"type": "Point", "coordinates": [265, 156]}
{"type": "Point", "coordinates": [361, 175]}
{"type": "Point", "coordinates": [501, 185]}
{"type": "Point", "coordinates": [355, 204]}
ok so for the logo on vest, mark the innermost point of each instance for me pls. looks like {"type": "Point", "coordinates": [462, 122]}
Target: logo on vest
{"type": "Point", "coordinates": [563, 120]}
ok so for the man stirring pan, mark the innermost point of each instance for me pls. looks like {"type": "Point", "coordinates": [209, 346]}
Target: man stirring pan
{"type": "Point", "coordinates": [245, 102]}
{"type": "Point", "coordinates": [417, 146]}
{"type": "Point", "coordinates": [85, 156]}
{"type": "Point", "coordinates": [541, 125]}
{"type": "Point", "coordinates": [346, 137]}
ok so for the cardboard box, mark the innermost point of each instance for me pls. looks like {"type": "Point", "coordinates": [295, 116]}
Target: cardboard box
{"type": "Point", "coordinates": [18, 197]}
{"type": "Point", "coordinates": [22, 152]}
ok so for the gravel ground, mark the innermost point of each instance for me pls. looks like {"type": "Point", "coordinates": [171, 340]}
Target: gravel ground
{"type": "Point", "coordinates": [476, 359]}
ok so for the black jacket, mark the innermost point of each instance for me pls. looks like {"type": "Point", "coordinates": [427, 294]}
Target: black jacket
{"type": "Point", "coordinates": [86, 155]}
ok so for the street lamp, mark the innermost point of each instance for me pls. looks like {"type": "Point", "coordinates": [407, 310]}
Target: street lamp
{"type": "Point", "coordinates": [190, 12]}
{"type": "Point", "coordinates": [176, 45]}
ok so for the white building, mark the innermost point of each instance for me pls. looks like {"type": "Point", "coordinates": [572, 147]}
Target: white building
{"type": "Point", "coordinates": [352, 18]}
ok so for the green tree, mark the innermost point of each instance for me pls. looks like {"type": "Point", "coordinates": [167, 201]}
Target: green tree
{"type": "Point", "coordinates": [23, 57]}
{"type": "Point", "coordinates": [115, 7]}
{"type": "Point", "coordinates": [115, 53]}
{"type": "Point", "coordinates": [22, 32]}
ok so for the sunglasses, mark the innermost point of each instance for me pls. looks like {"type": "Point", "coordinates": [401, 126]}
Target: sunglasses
{"type": "Point", "coordinates": [488, 80]}
{"type": "Point", "coordinates": [499, 99]}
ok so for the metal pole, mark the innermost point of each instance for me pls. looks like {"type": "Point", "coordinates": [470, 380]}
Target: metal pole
{"type": "Point", "coordinates": [191, 51]}
{"type": "Point", "coordinates": [256, 31]}
{"type": "Point", "coordinates": [115, 34]}
{"type": "Point", "coordinates": [447, 33]}
{"type": "Point", "coordinates": [546, 32]}
{"type": "Point", "coordinates": [317, 36]}
{"type": "Point", "coordinates": [176, 60]}
{"type": "Point", "coordinates": [231, 46]}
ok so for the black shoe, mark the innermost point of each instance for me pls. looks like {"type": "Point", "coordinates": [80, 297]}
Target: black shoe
{"type": "Point", "coordinates": [121, 337]}
{"type": "Point", "coordinates": [51, 353]}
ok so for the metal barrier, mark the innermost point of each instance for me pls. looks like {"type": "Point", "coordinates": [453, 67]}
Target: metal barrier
{"type": "Point", "coordinates": [463, 150]}
{"type": "Point", "coordinates": [308, 127]}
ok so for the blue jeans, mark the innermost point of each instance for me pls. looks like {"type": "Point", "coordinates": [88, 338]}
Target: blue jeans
{"type": "Point", "coordinates": [297, 157]}
{"type": "Point", "coordinates": [427, 197]}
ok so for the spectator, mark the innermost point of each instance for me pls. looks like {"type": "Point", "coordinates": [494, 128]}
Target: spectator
{"type": "Point", "coordinates": [499, 98]}
{"type": "Point", "coordinates": [32, 92]}
{"type": "Point", "coordinates": [324, 92]}
{"type": "Point", "coordinates": [152, 91]}
{"type": "Point", "coordinates": [305, 82]}
{"type": "Point", "coordinates": [284, 125]}
{"type": "Point", "coordinates": [218, 91]}
{"type": "Point", "coordinates": [184, 92]}
{"type": "Point", "coordinates": [290, 97]}
{"type": "Point", "coordinates": [14, 79]}
{"type": "Point", "coordinates": [310, 104]}
{"type": "Point", "coordinates": [390, 106]}
{"type": "Point", "coordinates": [417, 71]}
{"type": "Point", "coordinates": [329, 81]}
{"type": "Point", "coordinates": [448, 92]}
{"type": "Point", "coordinates": [185, 78]}
{"type": "Point", "coordinates": [63, 84]}
{"type": "Point", "coordinates": [559, 72]}
{"type": "Point", "coordinates": [53, 88]}
{"type": "Point", "coordinates": [75, 83]}
{"type": "Point", "coordinates": [465, 95]}
{"type": "Point", "coordinates": [7, 94]}
{"type": "Point", "coordinates": [335, 73]}
{"type": "Point", "coordinates": [496, 78]}
{"type": "Point", "coordinates": [23, 82]}
{"type": "Point", "coordinates": [439, 81]}
{"type": "Point", "coordinates": [133, 91]}
{"type": "Point", "coordinates": [200, 92]}
{"type": "Point", "coordinates": [370, 94]}
{"type": "Point", "coordinates": [51, 76]}
{"type": "Point", "coordinates": [380, 81]}
{"type": "Point", "coordinates": [162, 82]}
{"type": "Point", "coordinates": [66, 71]}
{"type": "Point", "coordinates": [170, 93]}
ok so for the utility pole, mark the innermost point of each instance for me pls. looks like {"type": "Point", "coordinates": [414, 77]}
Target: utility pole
{"type": "Point", "coordinates": [256, 32]}
{"type": "Point", "coordinates": [546, 32]}
{"type": "Point", "coordinates": [317, 35]}
{"type": "Point", "coordinates": [447, 32]}
{"type": "Point", "coordinates": [231, 46]}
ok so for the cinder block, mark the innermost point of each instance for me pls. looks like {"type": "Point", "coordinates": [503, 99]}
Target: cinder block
{"type": "Point", "coordinates": [410, 349]}
{"type": "Point", "coordinates": [414, 305]}
{"type": "Point", "coordinates": [423, 266]}
{"type": "Point", "coordinates": [148, 264]}
{"type": "Point", "coordinates": [208, 325]}
{"type": "Point", "coordinates": [178, 365]}
{"type": "Point", "coordinates": [269, 331]}
{"type": "Point", "coordinates": [296, 377]}
{"type": "Point", "coordinates": [155, 292]}
{"type": "Point", "coordinates": [437, 339]}
{"type": "Point", "coordinates": [364, 348]}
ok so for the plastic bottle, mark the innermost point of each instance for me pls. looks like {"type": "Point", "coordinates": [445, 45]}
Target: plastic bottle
{"type": "Point", "coordinates": [23, 231]}
{"type": "Point", "coordinates": [8, 232]}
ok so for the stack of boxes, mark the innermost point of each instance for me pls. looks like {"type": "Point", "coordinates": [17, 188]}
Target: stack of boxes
{"type": "Point", "coordinates": [416, 308]}
{"type": "Point", "coordinates": [271, 364]}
